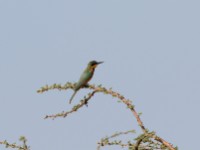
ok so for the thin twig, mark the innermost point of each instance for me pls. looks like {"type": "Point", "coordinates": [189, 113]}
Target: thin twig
{"type": "Point", "coordinates": [75, 108]}
{"type": "Point", "coordinates": [14, 145]}
{"type": "Point", "coordinates": [105, 141]}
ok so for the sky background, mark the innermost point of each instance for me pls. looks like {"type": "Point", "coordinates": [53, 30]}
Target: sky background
{"type": "Point", "coordinates": [151, 51]}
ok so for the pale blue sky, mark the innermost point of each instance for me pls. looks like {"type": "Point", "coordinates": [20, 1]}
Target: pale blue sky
{"type": "Point", "coordinates": [151, 51]}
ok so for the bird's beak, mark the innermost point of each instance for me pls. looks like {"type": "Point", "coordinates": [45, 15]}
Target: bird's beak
{"type": "Point", "coordinates": [100, 62]}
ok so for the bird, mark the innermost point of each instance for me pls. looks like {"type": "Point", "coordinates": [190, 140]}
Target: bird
{"type": "Point", "coordinates": [85, 77]}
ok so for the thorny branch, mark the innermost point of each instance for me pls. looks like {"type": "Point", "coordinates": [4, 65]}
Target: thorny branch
{"type": "Point", "coordinates": [14, 145]}
{"type": "Point", "coordinates": [143, 142]}
{"type": "Point", "coordinates": [98, 89]}
{"type": "Point", "coordinates": [105, 141]}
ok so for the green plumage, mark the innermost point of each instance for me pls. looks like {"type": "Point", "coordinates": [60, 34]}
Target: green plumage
{"type": "Point", "coordinates": [85, 77]}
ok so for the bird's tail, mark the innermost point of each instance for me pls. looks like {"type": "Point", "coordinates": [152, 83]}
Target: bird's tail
{"type": "Point", "coordinates": [72, 97]}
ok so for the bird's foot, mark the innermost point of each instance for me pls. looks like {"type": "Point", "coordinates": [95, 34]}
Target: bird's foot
{"type": "Point", "coordinates": [86, 86]}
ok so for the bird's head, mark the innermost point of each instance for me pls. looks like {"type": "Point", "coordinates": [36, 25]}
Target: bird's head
{"type": "Point", "coordinates": [93, 64]}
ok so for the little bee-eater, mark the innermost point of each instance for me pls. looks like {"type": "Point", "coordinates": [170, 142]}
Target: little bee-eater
{"type": "Point", "coordinates": [85, 77]}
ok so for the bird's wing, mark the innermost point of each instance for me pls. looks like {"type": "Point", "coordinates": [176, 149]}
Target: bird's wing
{"type": "Point", "coordinates": [84, 79]}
